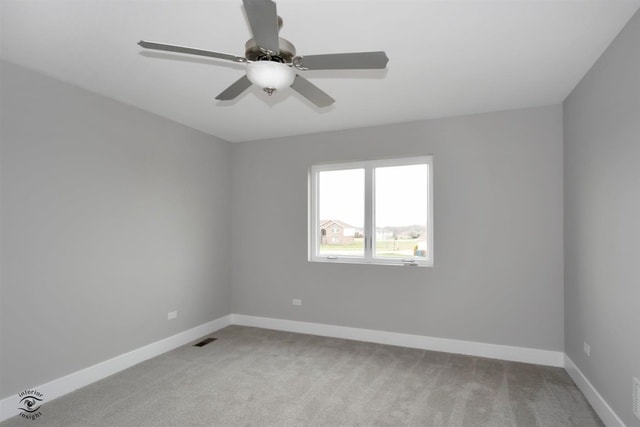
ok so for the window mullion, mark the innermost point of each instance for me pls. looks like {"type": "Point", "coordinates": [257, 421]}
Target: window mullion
{"type": "Point", "coordinates": [368, 212]}
{"type": "Point", "coordinates": [314, 214]}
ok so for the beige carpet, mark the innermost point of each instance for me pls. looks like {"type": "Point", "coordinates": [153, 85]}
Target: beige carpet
{"type": "Point", "coordinates": [258, 377]}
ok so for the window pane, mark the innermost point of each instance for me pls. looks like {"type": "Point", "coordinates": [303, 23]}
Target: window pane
{"type": "Point", "coordinates": [400, 217]}
{"type": "Point", "coordinates": [341, 205]}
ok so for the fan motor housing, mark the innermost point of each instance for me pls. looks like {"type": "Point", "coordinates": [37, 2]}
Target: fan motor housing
{"type": "Point", "coordinates": [254, 53]}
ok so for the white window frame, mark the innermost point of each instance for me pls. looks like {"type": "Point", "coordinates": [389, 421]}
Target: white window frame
{"type": "Point", "coordinates": [369, 167]}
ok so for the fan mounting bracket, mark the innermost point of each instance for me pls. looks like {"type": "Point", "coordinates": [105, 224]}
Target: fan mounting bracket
{"type": "Point", "coordinates": [297, 62]}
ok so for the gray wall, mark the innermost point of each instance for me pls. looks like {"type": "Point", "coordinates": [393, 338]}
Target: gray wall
{"type": "Point", "coordinates": [111, 217]}
{"type": "Point", "coordinates": [498, 274]}
{"type": "Point", "coordinates": [602, 221]}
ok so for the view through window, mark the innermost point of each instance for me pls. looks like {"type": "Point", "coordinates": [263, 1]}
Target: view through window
{"type": "Point", "coordinates": [372, 212]}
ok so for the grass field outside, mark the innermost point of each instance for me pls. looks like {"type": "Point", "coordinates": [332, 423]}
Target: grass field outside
{"type": "Point", "coordinates": [386, 248]}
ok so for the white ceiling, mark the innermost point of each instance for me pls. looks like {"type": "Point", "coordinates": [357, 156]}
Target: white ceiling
{"type": "Point", "coordinates": [446, 58]}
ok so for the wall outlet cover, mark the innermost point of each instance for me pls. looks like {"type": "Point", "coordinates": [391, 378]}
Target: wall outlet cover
{"type": "Point", "coordinates": [296, 301]}
{"type": "Point", "coordinates": [172, 315]}
{"type": "Point", "coordinates": [587, 349]}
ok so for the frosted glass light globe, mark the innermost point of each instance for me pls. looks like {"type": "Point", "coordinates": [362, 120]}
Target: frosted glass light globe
{"type": "Point", "coordinates": [270, 76]}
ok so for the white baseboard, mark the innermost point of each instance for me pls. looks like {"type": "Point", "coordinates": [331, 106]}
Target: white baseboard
{"type": "Point", "coordinates": [494, 351]}
{"type": "Point", "coordinates": [602, 408]}
{"type": "Point", "coordinates": [76, 380]}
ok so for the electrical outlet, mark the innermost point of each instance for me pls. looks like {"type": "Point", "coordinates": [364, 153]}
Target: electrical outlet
{"type": "Point", "coordinates": [587, 349]}
{"type": "Point", "coordinates": [172, 315]}
{"type": "Point", "coordinates": [636, 397]}
{"type": "Point", "coordinates": [296, 301]}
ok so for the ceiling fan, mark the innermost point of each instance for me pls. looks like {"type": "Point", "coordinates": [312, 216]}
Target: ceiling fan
{"type": "Point", "coordinates": [271, 61]}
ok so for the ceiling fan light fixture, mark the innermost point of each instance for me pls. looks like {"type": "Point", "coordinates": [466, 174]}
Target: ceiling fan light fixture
{"type": "Point", "coordinates": [271, 61]}
{"type": "Point", "coordinates": [269, 75]}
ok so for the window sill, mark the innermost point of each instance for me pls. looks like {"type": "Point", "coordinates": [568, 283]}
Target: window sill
{"type": "Point", "coordinates": [359, 261]}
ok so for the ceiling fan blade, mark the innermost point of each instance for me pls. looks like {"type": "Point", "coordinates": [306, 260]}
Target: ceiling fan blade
{"type": "Point", "coordinates": [235, 89]}
{"type": "Point", "coordinates": [310, 91]}
{"type": "Point", "coordinates": [342, 61]}
{"type": "Point", "coordinates": [189, 50]}
{"type": "Point", "coordinates": [263, 18]}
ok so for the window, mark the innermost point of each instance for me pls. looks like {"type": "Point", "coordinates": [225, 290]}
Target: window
{"type": "Point", "coordinates": [383, 208]}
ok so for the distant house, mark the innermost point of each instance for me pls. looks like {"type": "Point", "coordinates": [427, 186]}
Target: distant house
{"type": "Point", "coordinates": [335, 232]}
